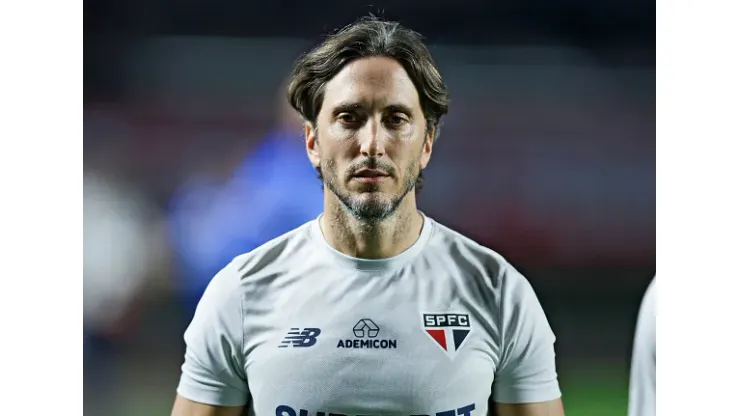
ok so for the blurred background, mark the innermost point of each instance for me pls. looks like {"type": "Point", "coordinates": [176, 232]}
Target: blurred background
{"type": "Point", "coordinates": [191, 157]}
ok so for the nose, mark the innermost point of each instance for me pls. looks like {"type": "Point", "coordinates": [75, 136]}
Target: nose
{"type": "Point", "coordinates": [371, 142]}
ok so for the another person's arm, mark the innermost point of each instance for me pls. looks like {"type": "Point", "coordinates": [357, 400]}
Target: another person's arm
{"type": "Point", "coordinates": [213, 381]}
{"type": "Point", "coordinates": [526, 382]}
{"type": "Point", "coordinates": [642, 372]}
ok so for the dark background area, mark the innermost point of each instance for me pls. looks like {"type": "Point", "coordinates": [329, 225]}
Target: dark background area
{"type": "Point", "coordinates": [607, 29]}
{"type": "Point", "coordinates": [547, 156]}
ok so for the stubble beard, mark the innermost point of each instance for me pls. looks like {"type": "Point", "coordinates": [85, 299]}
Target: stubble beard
{"type": "Point", "coordinates": [370, 207]}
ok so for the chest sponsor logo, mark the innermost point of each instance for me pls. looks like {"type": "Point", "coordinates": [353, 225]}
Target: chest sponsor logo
{"type": "Point", "coordinates": [367, 336]}
{"type": "Point", "coordinates": [300, 338]}
{"type": "Point", "coordinates": [448, 330]}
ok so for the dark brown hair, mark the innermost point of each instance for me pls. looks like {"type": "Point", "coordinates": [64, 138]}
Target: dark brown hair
{"type": "Point", "coordinates": [368, 37]}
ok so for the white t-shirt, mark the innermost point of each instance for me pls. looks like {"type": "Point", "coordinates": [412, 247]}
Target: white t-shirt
{"type": "Point", "coordinates": [642, 372]}
{"type": "Point", "coordinates": [296, 328]}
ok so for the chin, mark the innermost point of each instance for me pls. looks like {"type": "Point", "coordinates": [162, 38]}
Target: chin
{"type": "Point", "coordinates": [370, 200]}
{"type": "Point", "coordinates": [369, 197]}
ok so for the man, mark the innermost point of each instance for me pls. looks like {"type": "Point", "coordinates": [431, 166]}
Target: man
{"type": "Point", "coordinates": [642, 373]}
{"type": "Point", "coordinates": [372, 308]}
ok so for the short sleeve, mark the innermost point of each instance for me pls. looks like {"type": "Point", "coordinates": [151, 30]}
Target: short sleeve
{"type": "Point", "coordinates": [213, 371]}
{"type": "Point", "coordinates": [642, 371]}
{"type": "Point", "coordinates": [526, 372]}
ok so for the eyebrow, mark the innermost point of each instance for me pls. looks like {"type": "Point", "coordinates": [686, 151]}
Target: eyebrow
{"type": "Point", "coordinates": [346, 107]}
{"type": "Point", "coordinates": [399, 108]}
{"type": "Point", "coordinates": [351, 106]}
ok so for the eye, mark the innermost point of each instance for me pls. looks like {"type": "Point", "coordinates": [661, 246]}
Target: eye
{"type": "Point", "coordinates": [348, 118]}
{"type": "Point", "coordinates": [396, 119]}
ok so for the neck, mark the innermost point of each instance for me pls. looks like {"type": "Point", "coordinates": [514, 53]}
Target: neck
{"type": "Point", "coordinates": [372, 239]}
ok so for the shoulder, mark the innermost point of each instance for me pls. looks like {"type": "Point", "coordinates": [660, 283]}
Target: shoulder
{"type": "Point", "coordinates": [646, 316]}
{"type": "Point", "coordinates": [280, 252]}
{"type": "Point", "coordinates": [227, 288]}
{"type": "Point", "coordinates": [648, 301]}
{"type": "Point", "coordinates": [250, 275]}
{"type": "Point", "coordinates": [469, 255]}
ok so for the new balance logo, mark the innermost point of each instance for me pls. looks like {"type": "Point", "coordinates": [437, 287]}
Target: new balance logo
{"type": "Point", "coordinates": [300, 338]}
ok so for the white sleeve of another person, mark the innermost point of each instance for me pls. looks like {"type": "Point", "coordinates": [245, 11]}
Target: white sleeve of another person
{"type": "Point", "coordinates": [213, 371]}
{"type": "Point", "coordinates": [642, 371]}
{"type": "Point", "coordinates": [526, 373]}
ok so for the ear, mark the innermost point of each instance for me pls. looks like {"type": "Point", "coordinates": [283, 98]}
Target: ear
{"type": "Point", "coordinates": [312, 144]}
{"type": "Point", "coordinates": [426, 150]}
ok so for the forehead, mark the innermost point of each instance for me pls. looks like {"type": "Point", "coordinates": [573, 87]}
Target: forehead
{"type": "Point", "coordinates": [375, 81]}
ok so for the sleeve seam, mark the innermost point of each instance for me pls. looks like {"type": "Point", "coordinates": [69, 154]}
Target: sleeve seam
{"type": "Point", "coordinates": [241, 327]}
{"type": "Point", "coordinates": [209, 395]}
{"type": "Point", "coordinates": [242, 338]}
{"type": "Point", "coordinates": [500, 277]}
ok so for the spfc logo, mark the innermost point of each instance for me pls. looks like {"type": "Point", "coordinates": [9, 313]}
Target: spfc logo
{"type": "Point", "coordinates": [448, 330]}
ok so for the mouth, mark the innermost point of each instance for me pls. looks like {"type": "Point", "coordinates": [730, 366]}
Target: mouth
{"type": "Point", "coordinates": [370, 175]}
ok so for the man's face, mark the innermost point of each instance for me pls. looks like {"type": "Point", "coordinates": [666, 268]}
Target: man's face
{"type": "Point", "coordinates": [370, 140]}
